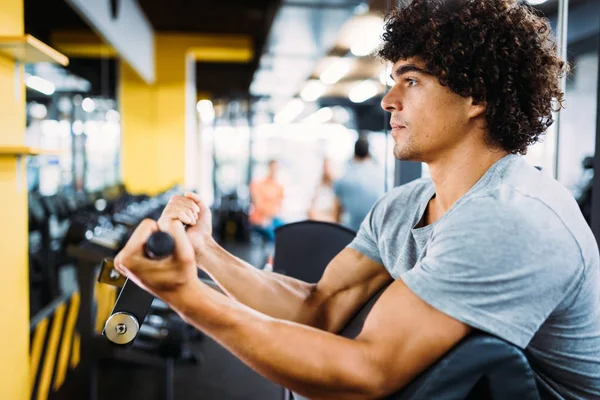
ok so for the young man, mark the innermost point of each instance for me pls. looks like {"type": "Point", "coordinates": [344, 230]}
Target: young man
{"type": "Point", "coordinates": [489, 243]}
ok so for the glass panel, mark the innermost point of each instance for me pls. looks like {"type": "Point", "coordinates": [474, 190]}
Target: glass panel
{"type": "Point", "coordinates": [578, 120]}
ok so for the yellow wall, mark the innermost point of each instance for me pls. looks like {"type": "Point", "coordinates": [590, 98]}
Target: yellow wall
{"type": "Point", "coordinates": [14, 285]}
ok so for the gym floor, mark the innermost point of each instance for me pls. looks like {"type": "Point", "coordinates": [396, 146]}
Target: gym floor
{"type": "Point", "coordinates": [219, 376]}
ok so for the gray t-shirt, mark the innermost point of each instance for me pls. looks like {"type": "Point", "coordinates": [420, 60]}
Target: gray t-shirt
{"type": "Point", "coordinates": [513, 257]}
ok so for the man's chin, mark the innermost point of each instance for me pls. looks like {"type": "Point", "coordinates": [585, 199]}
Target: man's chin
{"type": "Point", "coordinates": [405, 154]}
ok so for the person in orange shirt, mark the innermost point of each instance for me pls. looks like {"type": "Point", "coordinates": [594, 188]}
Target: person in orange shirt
{"type": "Point", "coordinates": [266, 196]}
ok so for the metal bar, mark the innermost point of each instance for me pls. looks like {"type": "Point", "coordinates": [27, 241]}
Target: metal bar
{"type": "Point", "coordinates": [595, 208]}
{"type": "Point", "coordinates": [250, 140]}
{"type": "Point", "coordinates": [18, 80]}
{"type": "Point", "coordinates": [216, 191]}
{"type": "Point", "coordinates": [386, 126]}
{"type": "Point", "coordinates": [562, 28]}
{"type": "Point", "coordinates": [169, 378]}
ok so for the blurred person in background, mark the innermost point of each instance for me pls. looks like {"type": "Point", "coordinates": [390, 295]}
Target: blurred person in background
{"type": "Point", "coordinates": [325, 205]}
{"type": "Point", "coordinates": [360, 187]}
{"type": "Point", "coordinates": [266, 196]}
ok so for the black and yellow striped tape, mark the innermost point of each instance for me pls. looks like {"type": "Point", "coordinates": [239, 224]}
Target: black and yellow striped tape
{"type": "Point", "coordinates": [54, 348]}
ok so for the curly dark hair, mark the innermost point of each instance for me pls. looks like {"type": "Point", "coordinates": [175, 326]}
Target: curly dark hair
{"type": "Point", "coordinates": [501, 52]}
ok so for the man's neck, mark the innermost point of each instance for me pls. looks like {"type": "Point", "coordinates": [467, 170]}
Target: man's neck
{"type": "Point", "coordinates": [454, 174]}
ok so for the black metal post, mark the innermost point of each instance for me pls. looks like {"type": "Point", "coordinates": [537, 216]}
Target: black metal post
{"type": "Point", "coordinates": [85, 325]}
{"type": "Point", "coordinates": [250, 118]}
{"type": "Point", "coordinates": [407, 171]}
{"type": "Point", "coordinates": [595, 209]}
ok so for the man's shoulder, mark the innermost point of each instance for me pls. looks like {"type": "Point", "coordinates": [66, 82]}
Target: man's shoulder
{"type": "Point", "coordinates": [521, 217]}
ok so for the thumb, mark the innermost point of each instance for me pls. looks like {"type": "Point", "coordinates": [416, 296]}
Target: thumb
{"type": "Point", "coordinates": [183, 247]}
{"type": "Point", "coordinates": [136, 242]}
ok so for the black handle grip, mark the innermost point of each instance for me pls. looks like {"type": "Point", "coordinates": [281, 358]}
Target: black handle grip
{"type": "Point", "coordinates": [133, 303]}
{"type": "Point", "coordinates": [159, 245]}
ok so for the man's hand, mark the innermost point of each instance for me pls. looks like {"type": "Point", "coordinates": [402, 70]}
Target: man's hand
{"type": "Point", "coordinates": [166, 278]}
{"type": "Point", "coordinates": [190, 210]}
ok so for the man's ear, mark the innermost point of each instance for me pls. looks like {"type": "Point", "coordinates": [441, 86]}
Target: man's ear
{"type": "Point", "coordinates": [476, 109]}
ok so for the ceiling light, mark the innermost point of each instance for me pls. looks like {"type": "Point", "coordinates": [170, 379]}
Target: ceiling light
{"type": "Point", "coordinates": [385, 78]}
{"type": "Point", "coordinates": [39, 84]}
{"type": "Point", "coordinates": [113, 116]}
{"type": "Point", "coordinates": [322, 116]}
{"type": "Point", "coordinates": [362, 92]}
{"type": "Point", "coordinates": [38, 111]}
{"type": "Point", "coordinates": [364, 47]}
{"type": "Point", "coordinates": [335, 71]}
{"type": "Point", "coordinates": [367, 37]}
{"type": "Point", "coordinates": [312, 91]}
{"type": "Point", "coordinates": [88, 105]}
{"type": "Point", "coordinates": [362, 35]}
{"type": "Point", "coordinates": [536, 2]}
{"type": "Point", "coordinates": [290, 112]}
{"type": "Point", "coordinates": [77, 127]}
{"type": "Point", "coordinates": [206, 110]}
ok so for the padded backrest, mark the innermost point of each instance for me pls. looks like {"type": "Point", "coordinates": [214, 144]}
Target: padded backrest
{"type": "Point", "coordinates": [303, 249]}
{"type": "Point", "coordinates": [480, 367]}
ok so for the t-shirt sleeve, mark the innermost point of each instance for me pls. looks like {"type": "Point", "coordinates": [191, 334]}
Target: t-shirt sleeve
{"type": "Point", "coordinates": [499, 268]}
{"type": "Point", "coordinates": [366, 238]}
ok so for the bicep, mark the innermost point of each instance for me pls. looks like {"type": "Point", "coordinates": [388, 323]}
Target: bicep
{"type": "Point", "coordinates": [404, 336]}
{"type": "Point", "coordinates": [348, 282]}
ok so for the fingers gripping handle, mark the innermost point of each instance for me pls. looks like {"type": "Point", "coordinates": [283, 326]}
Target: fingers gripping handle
{"type": "Point", "coordinates": [133, 303]}
{"type": "Point", "coordinates": [159, 245]}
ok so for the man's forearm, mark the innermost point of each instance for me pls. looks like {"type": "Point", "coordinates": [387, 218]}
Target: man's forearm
{"type": "Point", "coordinates": [313, 363]}
{"type": "Point", "coordinates": [272, 294]}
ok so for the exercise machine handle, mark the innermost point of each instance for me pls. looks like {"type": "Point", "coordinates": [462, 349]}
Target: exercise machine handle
{"type": "Point", "coordinates": [133, 303]}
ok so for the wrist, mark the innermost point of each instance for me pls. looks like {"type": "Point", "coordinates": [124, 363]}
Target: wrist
{"type": "Point", "coordinates": [207, 247]}
{"type": "Point", "coordinates": [184, 298]}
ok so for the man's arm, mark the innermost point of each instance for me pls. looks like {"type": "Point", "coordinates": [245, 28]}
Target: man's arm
{"type": "Point", "coordinates": [401, 337]}
{"type": "Point", "coordinates": [347, 283]}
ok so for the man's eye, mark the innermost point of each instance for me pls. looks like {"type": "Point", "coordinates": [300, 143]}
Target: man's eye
{"type": "Point", "coordinates": [411, 81]}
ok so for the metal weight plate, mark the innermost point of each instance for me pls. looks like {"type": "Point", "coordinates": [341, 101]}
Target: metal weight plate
{"type": "Point", "coordinates": [121, 328]}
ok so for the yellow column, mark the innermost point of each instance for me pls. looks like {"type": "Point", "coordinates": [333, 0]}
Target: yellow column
{"type": "Point", "coordinates": [153, 121]}
{"type": "Point", "coordinates": [155, 133]}
{"type": "Point", "coordinates": [140, 149]}
{"type": "Point", "coordinates": [14, 285]}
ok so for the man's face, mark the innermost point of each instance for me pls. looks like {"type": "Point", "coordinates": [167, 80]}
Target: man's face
{"type": "Point", "coordinates": [427, 118]}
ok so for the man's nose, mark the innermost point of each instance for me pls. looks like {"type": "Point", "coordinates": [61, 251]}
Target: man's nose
{"type": "Point", "coordinates": [391, 101]}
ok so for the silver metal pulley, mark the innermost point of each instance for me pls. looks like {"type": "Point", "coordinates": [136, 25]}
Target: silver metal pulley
{"type": "Point", "coordinates": [121, 328]}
